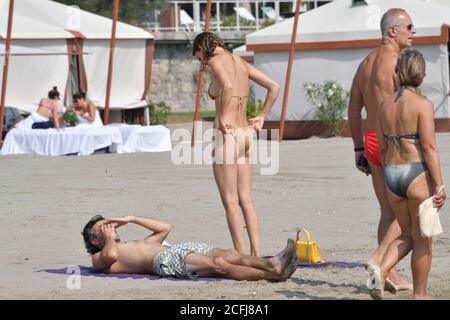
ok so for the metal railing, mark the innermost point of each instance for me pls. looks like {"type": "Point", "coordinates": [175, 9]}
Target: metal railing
{"type": "Point", "coordinates": [249, 15]}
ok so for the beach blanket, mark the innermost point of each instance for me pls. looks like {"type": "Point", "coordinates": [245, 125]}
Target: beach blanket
{"type": "Point", "coordinates": [91, 272]}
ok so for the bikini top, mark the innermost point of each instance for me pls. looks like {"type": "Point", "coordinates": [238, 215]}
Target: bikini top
{"type": "Point", "coordinates": [214, 96]}
{"type": "Point", "coordinates": [50, 108]}
{"type": "Point", "coordinates": [413, 136]}
{"type": "Point", "coordinates": [396, 138]}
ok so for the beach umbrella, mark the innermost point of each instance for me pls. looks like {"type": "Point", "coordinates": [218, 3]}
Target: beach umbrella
{"type": "Point", "coordinates": [111, 61]}
{"type": "Point", "coordinates": [289, 71]}
{"type": "Point", "coordinates": [5, 67]}
{"type": "Point", "coordinates": [200, 80]}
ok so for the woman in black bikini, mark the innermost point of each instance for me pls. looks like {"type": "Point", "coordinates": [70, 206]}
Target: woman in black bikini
{"type": "Point", "coordinates": [412, 172]}
{"type": "Point", "coordinates": [233, 170]}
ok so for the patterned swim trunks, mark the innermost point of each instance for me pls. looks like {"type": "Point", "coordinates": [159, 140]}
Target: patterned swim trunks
{"type": "Point", "coordinates": [171, 262]}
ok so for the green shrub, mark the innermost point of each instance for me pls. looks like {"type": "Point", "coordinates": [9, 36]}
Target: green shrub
{"type": "Point", "coordinates": [331, 101]}
{"type": "Point", "coordinates": [159, 113]}
{"type": "Point", "coordinates": [253, 108]}
{"type": "Point", "coordinates": [231, 21]}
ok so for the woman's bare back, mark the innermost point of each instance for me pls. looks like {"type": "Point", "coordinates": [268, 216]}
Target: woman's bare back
{"type": "Point", "coordinates": [235, 116]}
{"type": "Point", "coordinates": [400, 116]}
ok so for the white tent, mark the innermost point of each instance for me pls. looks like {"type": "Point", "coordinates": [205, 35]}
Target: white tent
{"type": "Point", "coordinates": [333, 39]}
{"type": "Point", "coordinates": [441, 2]}
{"type": "Point", "coordinates": [53, 27]}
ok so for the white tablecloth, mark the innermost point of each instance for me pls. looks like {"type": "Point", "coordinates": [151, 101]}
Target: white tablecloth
{"type": "Point", "coordinates": [145, 139]}
{"type": "Point", "coordinates": [85, 140]}
{"type": "Point", "coordinates": [79, 140]}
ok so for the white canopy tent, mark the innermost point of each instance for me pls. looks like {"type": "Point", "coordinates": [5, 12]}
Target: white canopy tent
{"type": "Point", "coordinates": [333, 39]}
{"type": "Point", "coordinates": [50, 26]}
{"type": "Point", "coordinates": [441, 2]}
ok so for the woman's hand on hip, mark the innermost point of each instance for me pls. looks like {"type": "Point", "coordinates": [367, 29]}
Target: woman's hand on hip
{"type": "Point", "coordinates": [257, 122]}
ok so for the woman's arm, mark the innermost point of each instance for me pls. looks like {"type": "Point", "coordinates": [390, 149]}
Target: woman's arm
{"type": "Point", "coordinates": [273, 90]}
{"type": "Point", "coordinates": [226, 86]}
{"type": "Point", "coordinates": [56, 115]}
{"type": "Point", "coordinates": [92, 111]}
{"type": "Point", "coordinates": [430, 151]}
{"type": "Point", "coordinates": [380, 137]}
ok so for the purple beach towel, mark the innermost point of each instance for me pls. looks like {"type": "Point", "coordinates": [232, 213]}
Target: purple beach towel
{"type": "Point", "coordinates": [91, 272]}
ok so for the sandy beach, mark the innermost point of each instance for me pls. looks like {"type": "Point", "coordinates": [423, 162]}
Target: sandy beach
{"type": "Point", "coordinates": [45, 202]}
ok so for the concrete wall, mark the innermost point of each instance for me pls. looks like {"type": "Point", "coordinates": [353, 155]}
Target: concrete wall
{"type": "Point", "coordinates": [175, 71]}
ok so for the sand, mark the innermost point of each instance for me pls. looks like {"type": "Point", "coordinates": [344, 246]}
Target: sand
{"type": "Point", "coordinates": [45, 203]}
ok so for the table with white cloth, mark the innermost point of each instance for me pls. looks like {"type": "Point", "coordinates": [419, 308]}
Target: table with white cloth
{"type": "Point", "coordinates": [137, 138]}
{"type": "Point", "coordinates": [85, 140]}
{"type": "Point", "coordinates": [51, 142]}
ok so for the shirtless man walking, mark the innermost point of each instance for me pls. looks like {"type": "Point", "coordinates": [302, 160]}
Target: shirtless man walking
{"type": "Point", "coordinates": [186, 260]}
{"type": "Point", "coordinates": [374, 81]}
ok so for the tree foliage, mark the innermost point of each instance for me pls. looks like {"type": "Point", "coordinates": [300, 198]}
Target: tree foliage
{"type": "Point", "coordinates": [131, 11]}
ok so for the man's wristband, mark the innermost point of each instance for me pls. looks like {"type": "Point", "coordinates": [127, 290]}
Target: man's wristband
{"type": "Point", "coordinates": [359, 149]}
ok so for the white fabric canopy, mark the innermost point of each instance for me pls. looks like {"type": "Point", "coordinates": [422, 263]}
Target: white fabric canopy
{"type": "Point", "coordinates": [340, 65]}
{"type": "Point", "coordinates": [30, 78]}
{"type": "Point", "coordinates": [42, 26]}
{"type": "Point", "coordinates": [29, 51]}
{"type": "Point", "coordinates": [37, 19]}
{"type": "Point", "coordinates": [340, 21]}
{"type": "Point", "coordinates": [128, 75]}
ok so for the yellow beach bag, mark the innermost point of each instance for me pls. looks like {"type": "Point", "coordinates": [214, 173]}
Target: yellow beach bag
{"type": "Point", "coordinates": [307, 251]}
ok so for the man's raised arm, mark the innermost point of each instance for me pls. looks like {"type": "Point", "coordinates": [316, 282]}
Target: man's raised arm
{"type": "Point", "coordinates": [109, 255]}
{"type": "Point", "coordinates": [161, 229]}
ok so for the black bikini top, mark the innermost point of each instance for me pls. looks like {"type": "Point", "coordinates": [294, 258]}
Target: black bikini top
{"type": "Point", "coordinates": [396, 138]}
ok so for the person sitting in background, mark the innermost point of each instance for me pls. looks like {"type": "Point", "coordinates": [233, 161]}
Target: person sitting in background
{"type": "Point", "coordinates": [47, 115]}
{"type": "Point", "coordinates": [86, 111]}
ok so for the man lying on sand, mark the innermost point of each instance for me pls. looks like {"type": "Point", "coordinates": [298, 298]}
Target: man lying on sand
{"type": "Point", "coordinates": [186, 260]}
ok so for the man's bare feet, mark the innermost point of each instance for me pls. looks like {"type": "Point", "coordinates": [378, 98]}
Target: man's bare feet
{"type": "Point", "coordinates": [375, 283]}
{"type": "Point", "coordinates": [276, 265]}
{"type": "Point", "coordinates": [285, 256]}
{"type": "Point", "coordinates": [290, 270]}
{"type": "Point", "coordinates": [287, 260]}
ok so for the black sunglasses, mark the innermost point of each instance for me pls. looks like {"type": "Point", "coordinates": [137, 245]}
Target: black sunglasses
{"type": "Point", "coordinates": [409, 27]}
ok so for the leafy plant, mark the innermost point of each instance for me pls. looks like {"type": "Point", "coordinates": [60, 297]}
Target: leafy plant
{"type": "Point", "coordinates": [254, 108]}
{"type": "Point", "coordinates": [331, 101]}
{"type": "Point", "coordinates": [159, 113]}
{"type": "Point", "coordinates": [231, 21]}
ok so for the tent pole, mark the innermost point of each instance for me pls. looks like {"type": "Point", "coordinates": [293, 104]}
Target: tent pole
{"type": "Point", "coordinates": [289, 71]}
{"type": "Point", "coordinates": [111, 61]}
{"type": "Point", "coordinates": [6, 67]}
{"type": "Point", "coordinates": [200, 80]}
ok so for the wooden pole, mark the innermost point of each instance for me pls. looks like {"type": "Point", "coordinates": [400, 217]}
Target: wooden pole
{"type": "Point", "coordinates": [200, 80]}
{"type": "Point", "coordinates": [111, 61]}
{"type": "Point", "coordinates": [6, 67]}
{"type": "Point", "coordinates": [289, 71]}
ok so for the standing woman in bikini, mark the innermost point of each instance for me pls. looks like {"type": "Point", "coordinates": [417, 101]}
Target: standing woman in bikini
{"type": "Point", "coordinates": [412, 173]}
{"type": "Point", "coordinates": [233, 170]}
